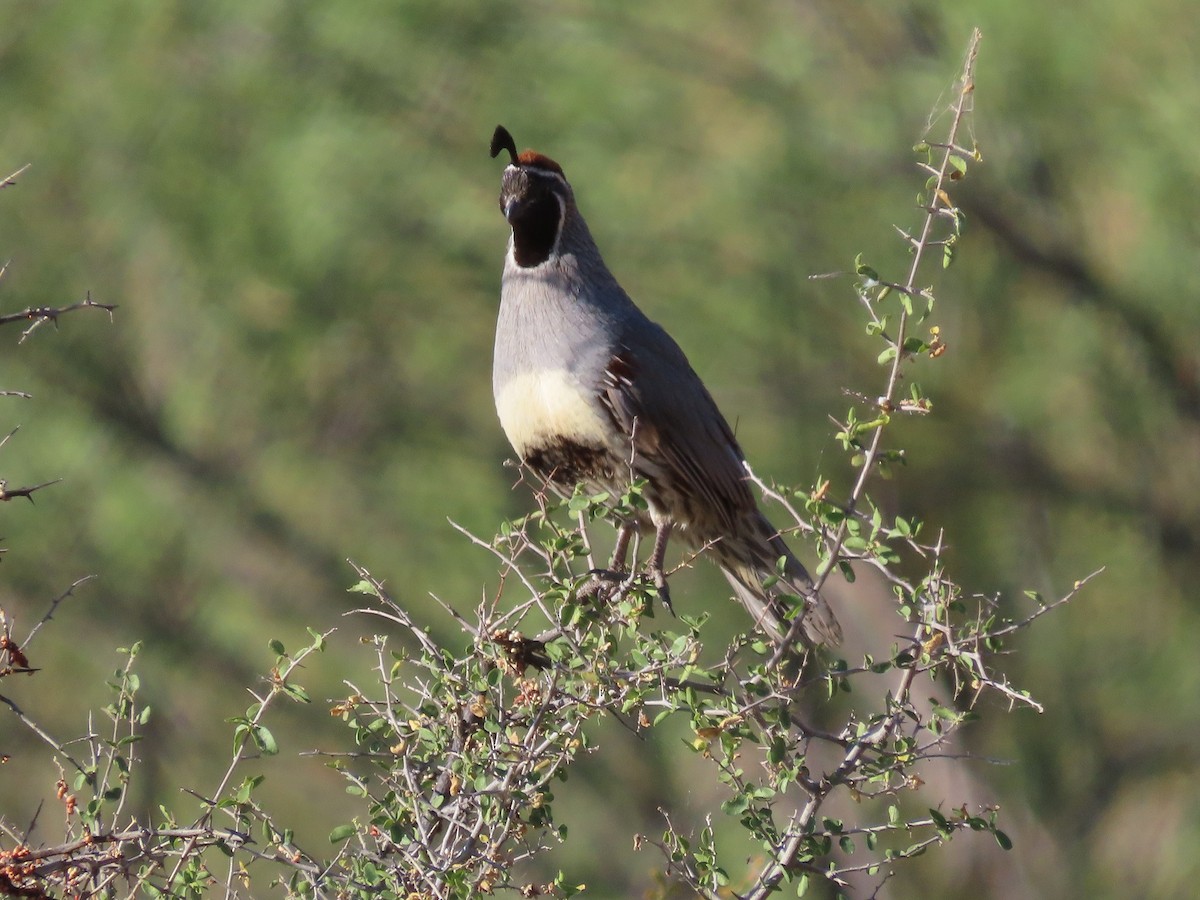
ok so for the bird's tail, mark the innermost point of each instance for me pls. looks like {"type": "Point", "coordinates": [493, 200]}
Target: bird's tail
{"type": "Point", "coordinates": [751, 562]}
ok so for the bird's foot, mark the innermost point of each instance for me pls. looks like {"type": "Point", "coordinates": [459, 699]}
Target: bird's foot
{"type": "Point", "coordinates": [607, 585]}
{"type": "Point", "coordinates": [604, 585]}
{"type": "Point", "coordinates": [654, 568]}
{"type": "Point", "coordinates": [658, 578]}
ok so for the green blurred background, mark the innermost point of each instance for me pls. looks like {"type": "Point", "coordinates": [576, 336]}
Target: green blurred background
{"type": "Point", "coordinates": [293, 206]}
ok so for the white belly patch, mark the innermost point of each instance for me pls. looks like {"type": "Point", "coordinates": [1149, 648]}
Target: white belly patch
{"type": "Point", "coordinates": [538, 407]}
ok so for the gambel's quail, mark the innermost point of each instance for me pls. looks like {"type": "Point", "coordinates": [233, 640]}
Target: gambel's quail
{"type": "Point", "coordinates": [591, 391]}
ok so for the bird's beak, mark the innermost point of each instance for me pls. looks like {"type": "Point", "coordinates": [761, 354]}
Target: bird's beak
{"type": "Point", "coordinates": [510, 207]}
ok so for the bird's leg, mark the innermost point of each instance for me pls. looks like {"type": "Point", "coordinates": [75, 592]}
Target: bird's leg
{"type": "Point", "coordinates": [654, 568]}
{"type": "Point", "coordinates": [621, 549]}
{"type": "Point", "coordinates": [605, 581]}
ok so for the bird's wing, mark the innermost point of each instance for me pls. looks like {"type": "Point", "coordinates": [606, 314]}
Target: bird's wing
{"type": "Point", "coordinates": [677, 432]}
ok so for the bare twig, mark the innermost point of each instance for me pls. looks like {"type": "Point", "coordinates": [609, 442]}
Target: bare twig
{"type": "Point", "coordinates": [39, 315]}
{"type": "Point", "coordinates": [12, 179]}
{"type": "Point", "coordinates": [46, 737]}
{"type": "Point", "coordinates": [49, 614]}
{"type": "Point", "coordinates": [7, 493]}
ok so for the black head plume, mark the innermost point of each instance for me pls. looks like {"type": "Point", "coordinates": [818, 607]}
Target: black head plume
{"type": "Point", "coordinates": [502, 140]}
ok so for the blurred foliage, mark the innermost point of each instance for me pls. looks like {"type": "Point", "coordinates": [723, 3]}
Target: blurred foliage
{"type": "Point", "coordinates": [293, 207]}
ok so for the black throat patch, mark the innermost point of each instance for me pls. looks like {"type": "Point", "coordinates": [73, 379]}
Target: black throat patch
{"type": "Point", "coordinates": [535, 229]}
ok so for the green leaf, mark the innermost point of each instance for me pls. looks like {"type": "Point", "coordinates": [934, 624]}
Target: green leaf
{"type": "Point", "coordinates": [777, 752]}
{"type": "Point", "coordinates": [940, 822]}
{"type": "Point", "coordinates": [277, 647]}
{"type": "Point", "coordinates": [1003, 840]}
{"type": "Point", "coordinates": [342, 833]}
{"type": "Point", "coordinates": [246, 789]}
{"type": "Point", "coordinates": [296, 692]}
{"type": "Point", "coordinates": [855, 542]}
{"type": "Point", "coordinates": [264, 740]}
{"type": "Point", "coordinates": [948, 249]}
{"type": "Point", "coordinates": [863, 270]}
{"type": "Point", "coordinates": [567, 890]}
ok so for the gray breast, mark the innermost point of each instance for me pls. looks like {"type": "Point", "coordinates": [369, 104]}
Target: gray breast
{"type": "Point", "coordinates": [551, 349]}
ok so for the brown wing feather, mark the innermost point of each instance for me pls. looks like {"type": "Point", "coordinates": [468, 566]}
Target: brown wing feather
{"type": "Point", "coordinates": [686, 450]}
{"type": "Point", "coordinates": [680, 441]}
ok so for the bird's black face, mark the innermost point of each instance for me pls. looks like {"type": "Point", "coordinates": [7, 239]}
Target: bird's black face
{"type": "Point", "coordinates": [534, 201]}
{"type": "Point", "coordinates": [534, 197]}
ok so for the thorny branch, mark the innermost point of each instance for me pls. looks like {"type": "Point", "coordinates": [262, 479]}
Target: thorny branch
{"type": "Point", "coordinates": [940, 205]}
{"type": "Point", "coordinates": [7, 493]}
{"type": "Point", "coordinates": [40, 315]}
{"type": "Point", "coordinates": [797, 834]}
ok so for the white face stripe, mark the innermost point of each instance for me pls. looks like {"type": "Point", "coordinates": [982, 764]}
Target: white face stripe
{"type": "Point", "coordinates": [545, 173]}
{"type": "Point", "coordinates": [562, 220]}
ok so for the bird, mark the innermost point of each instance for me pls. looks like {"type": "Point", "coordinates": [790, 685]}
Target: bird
{"type": "Point", "coordinates": [590, 391]}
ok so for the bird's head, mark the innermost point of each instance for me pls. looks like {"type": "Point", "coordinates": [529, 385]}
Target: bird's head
{"type": "Point", "coordinates": [534, 197]}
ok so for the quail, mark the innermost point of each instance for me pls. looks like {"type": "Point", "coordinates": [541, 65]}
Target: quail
{"type": "Point", "coordinates": [590, 391]}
